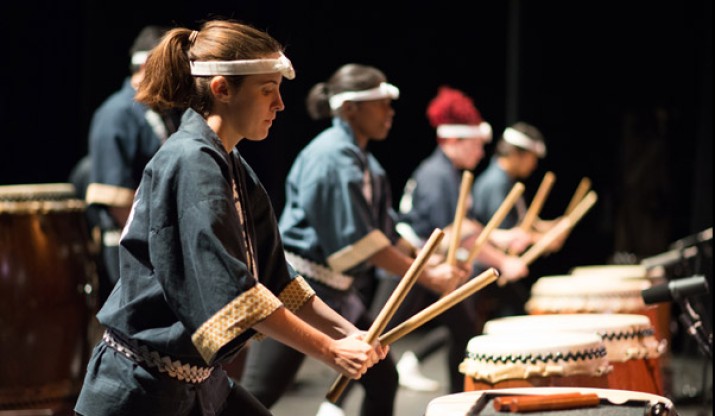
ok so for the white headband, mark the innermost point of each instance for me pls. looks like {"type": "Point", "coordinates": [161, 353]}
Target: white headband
{"type": "Point", "coordinates": [384, 90]}
{"type": "Point", "coordinates": [519, 139]}
{"type": "Point", "coordinates": [244, 67]}
{"type": "Point", "coordinates": [482, 131]}
{"type": "Point", "coordinates": [138, 58]}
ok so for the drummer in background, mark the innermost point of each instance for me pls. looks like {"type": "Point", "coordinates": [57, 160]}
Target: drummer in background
{"type": "Point", "coordinates": [338, 227]}
{"type": "Point", "coordinates": [123, 136]}
{"type": "Point", "coordinates": [429, 201]}
{"type": "Point", "coordinates": [516, 156]}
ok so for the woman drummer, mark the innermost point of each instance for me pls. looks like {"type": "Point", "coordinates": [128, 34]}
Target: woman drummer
{"type": "Point", "coordinates": [202, 267]}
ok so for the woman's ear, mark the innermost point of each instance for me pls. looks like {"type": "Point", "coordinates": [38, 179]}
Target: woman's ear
{"type": "Point", "coordinates": [349, 108]}
{"type": "Point", "coordinates": [220, 88]}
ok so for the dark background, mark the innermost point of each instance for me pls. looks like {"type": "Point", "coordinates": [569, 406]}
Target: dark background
{"type": "Point", "coordinates": [621, 90]}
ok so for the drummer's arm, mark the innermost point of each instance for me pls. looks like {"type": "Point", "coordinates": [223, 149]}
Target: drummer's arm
{"type": "Point", "coordinates": [320, 315]}
{"type": "Point", "coordinates": [511, 267]}
{"type": "Point", "coordinates": [120, 214]}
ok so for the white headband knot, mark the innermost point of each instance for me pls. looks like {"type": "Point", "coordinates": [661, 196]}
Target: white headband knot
{"type": "Point", "coordinates": [384, 90]}
{"type": "Point", "coordinates": [519, 139]}
{"type": "Point", "coordinates": [139, 58]}
{"type": "Point", "coordinates": [482, 131]}
{"type": "Point", "coordinates": [244, 67]}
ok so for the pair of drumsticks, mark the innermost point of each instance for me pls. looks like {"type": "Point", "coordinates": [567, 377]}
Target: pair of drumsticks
{"type": "Point", "coordinates": [542, 193]}
{"type": "Point", "coordinates": [467, 289]}
{"type": "Point", "coordinates": [530, 217]}
{"type": "Point", "coordinates": [580, 203]}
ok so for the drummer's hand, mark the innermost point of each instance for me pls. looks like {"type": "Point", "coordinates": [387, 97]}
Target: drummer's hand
{"type": "Point", "coordinates": [519, 240]}
{"type": "Point", "coordinates": [556, 244]}
{"type": "Point", "coordinates": [444, 277]}
{"type": "Point", "coordinates": [514, 239]}
{"type": "Point", "coordinates": [379, 351]}
{"type": "Point", "coordinates": [512, 269]}
{"type": "Point", "coordinates": [543, 226]}
{"type": "Point", "coordinates": [435, 259]}
{"type": "Point", "coordinates": [351, 356]}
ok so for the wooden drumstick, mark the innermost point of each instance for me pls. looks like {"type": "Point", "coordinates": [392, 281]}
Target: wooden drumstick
{"type": "Point", "coordinates": [583, 187]}
{"type": "Point", "coordinates": [542, 403]}
{"type": "Point", "coordinates": [394, 301]}
{"type": "Point", "coordinates": [467, 180]}
{"type": "Point", "coordinates": [496, 220]}
{"type": "Point", "coordinates": [503, 403]}
{"type": "Point", "coordinates": [425, 315]}
{"type": "Point", "coordinates": [537, 203]}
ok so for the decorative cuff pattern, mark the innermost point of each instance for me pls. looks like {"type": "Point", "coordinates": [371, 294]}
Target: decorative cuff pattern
{"type": "Point", "coordinates": [113, 196]}
{"type": "Point", "coordinates": [355, 254]}
{"type": "Point", "coordinates": [296, 294]}
{"type": "Point", "coordinates": [233, 319]}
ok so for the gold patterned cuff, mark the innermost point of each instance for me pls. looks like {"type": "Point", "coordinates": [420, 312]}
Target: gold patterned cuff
{"type": "Point", "coordinates": [296, 294]}
{"type": "Point", "coordinates": [355, 254]}
{"type": "Point", "coordinates": [240, 314]}
{"type": "Point", "coordinates": [293, 297]}
{"type": "Point", "coordinates": [113, 196]}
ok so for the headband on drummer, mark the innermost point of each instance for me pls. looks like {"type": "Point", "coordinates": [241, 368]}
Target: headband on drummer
{"type": "Point", "coordinates": [482, 131]}
{"type": "Point", "coordinates": [384, 90]}
{"type": "Point", "coordinates": [454, 116]}
{"type": "Point", "coordinates": [521, 140]}
{"type": "Point", "coordinates": [140, 57]}
{"type": "Point", "coordinates": [244, 67]}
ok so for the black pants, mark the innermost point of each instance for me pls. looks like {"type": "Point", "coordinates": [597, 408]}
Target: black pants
{"type": "Point", "coordinates": [271, 367]}
{"type": "Point", "coordinates": [242, 403]}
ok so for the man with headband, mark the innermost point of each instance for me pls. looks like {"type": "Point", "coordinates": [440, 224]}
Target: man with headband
{"type": "Point", "coordinates": [516, 157]}
{"type": "Point", "coordinates": [202, 268]}
{"type": "Point", "coordinates": [429, 201]}
{"type": "Point", "coordinates": [337, 228]}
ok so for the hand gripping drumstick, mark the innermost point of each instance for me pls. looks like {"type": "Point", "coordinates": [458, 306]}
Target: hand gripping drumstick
{"type": "Point", "coordinates": [581, 190]}
{"type": "Point", "coordinates": [496, 220]}
{"type": "Point", "coordinates": [537, 203]}
{"type": "Point", "coordinates": [387, 311]}
{"type": "Point", "coordinates": [425, 315]}
{"type": "Point", "coordinates": [467, 179]}
{"type": "Point", "coordinates": [563, 226]}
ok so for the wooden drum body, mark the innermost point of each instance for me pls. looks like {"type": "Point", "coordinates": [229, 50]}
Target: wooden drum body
{"type": "Point", "coordinates": [631, 346]}
{"type": "Point", "coordinates": [612, 270]}
{"type": "Point", "coordinates": [612, 402]}
{"type": "Point", "coordinates": [589, 293]}
{"type": "Point", "coordinates": [535, 360]}
{"type": "Point", "coordinates": [46, 272]}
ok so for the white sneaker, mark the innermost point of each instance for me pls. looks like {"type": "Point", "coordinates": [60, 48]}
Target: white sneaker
{"type": "Point", "coordinates": [329, 409]}
{"type": "Point", "coordinates": [408, 370]}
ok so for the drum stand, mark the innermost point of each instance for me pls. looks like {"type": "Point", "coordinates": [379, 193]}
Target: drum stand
{"type": "Point", "coordinates": [694, 326]}
{"type": "Point", "coordinates": [692, 323]}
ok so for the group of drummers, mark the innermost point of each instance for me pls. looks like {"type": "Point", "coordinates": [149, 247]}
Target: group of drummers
{"type": "Point", "coordinates": [338, 241]}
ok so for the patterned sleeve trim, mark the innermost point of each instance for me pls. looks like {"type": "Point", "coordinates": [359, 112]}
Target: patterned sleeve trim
{"type": "Point", "coordinates": [293, 297]}
{"type": "Point", "coordinates": [296, 294]}
{"type": "Point", "coordinates": [240, 314]}
{"type": "Point", "coordinates": [354, 254]}
{"type": "Point", "coordinates": [113, 196]}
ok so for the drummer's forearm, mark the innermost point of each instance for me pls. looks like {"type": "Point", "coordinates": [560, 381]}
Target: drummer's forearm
{"type": "Point", "coordinates": [326, 319]}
